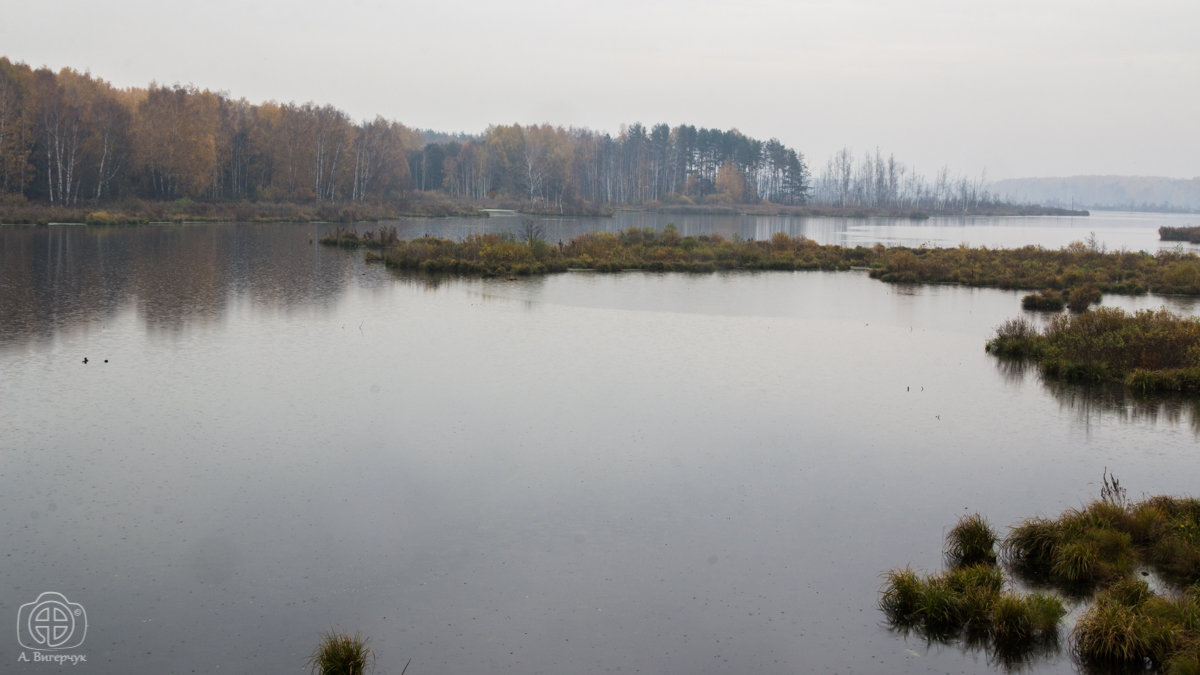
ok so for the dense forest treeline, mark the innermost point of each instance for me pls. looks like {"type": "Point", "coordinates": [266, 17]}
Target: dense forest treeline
{"type": "Point", "coordinates": [69, 139]}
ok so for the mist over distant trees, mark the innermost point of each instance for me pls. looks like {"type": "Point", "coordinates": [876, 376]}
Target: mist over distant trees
{"type": "Point", "coordinates": [878, 182]}
{"type": "Point", "coordinates": [1141, 193]}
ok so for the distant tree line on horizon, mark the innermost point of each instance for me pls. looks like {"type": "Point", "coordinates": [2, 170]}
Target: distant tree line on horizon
{"type": "Point", "coordinates": [1129, 193]}
{"type": "Point", "coordinates": [550, 166]}
{"type": "Point", "coordinates": [68, 138]}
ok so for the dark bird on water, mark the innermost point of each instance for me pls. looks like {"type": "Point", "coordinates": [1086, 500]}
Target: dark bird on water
{"type": "Point", "coordinates": [85, 359]}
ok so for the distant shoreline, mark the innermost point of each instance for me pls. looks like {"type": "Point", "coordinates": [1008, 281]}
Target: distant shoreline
{"type": "Point", "coordinates": [429, 205]}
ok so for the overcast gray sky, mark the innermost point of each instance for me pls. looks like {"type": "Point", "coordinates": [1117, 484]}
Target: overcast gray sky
{"type": "Point", "coordinates": [1016, 88]}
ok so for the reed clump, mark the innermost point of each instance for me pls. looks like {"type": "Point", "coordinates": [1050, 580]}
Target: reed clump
{"type": "Point", "coordinates": [1130, 625]}
{"type": "Point", "coordinates": [339, 653]}
{"type": "Point", "coordinates": [970, 542]}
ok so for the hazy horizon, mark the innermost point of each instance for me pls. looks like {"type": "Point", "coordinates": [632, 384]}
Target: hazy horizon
{"type": "Point", "coordinates": [1016, 89]}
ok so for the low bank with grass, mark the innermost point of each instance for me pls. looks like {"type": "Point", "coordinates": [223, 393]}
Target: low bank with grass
{"type": "Point", "coordinates": [140, 212]}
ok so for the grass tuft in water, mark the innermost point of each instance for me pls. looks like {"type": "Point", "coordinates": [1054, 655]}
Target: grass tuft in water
{"type": "Point", "coordinates": [339, 653]}
{"type": "Point", "coordinates": [1112, 633]}
{"type": "Point", "coordinates": [976, 590]}
{"type": "Point", "coordinates": [1030, 547]}
{"type": "Point", "coordinates": [971, 541]}
{"type": "Point", "coordinates": [902, 596]}
{"type": "Point", "coordinates": [970, 602]}
{"type": "Point", "coordinates": [938, 608]}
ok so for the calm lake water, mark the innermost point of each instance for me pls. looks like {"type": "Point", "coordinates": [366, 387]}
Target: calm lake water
{"type": "Point", "coordinates": [637, 473]}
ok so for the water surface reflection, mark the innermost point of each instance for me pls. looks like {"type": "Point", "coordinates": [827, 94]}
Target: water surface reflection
{"type": "Point", "coordinates": [583, 472]}
{"type": "Point", "coordinates": [59, 277]}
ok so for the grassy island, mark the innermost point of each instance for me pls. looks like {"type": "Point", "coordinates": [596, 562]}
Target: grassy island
{"type": "Point", "coordinates": [1099, 554]}
{"type": "Point", "coordinates": [1078, 272]}
{"type": "Point", "coordinates": [1188, 234]}
{"type": "Point", "coordinates": [1149, 351]}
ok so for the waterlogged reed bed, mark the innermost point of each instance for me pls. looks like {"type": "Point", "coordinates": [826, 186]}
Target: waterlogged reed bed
{"type": "Point", "coordinates": [1076, 266]}
{"type": "Point", "coordinates": [1150, 351]}
{"type": "Point", "coordinates": [1091, 552]}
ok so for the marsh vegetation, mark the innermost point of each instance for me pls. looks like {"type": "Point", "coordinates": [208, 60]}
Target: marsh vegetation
{"type": "Point", "coordinates": [972, 601]}
{"type": "Point", "coordinates": [1150, 351]}
{"type": "Point", "coordinates": [1097, 553]}
{"type": "Point", "coordinates": [1076, 274]}
{"type": "Point", "coordinates": [1188, 234]}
